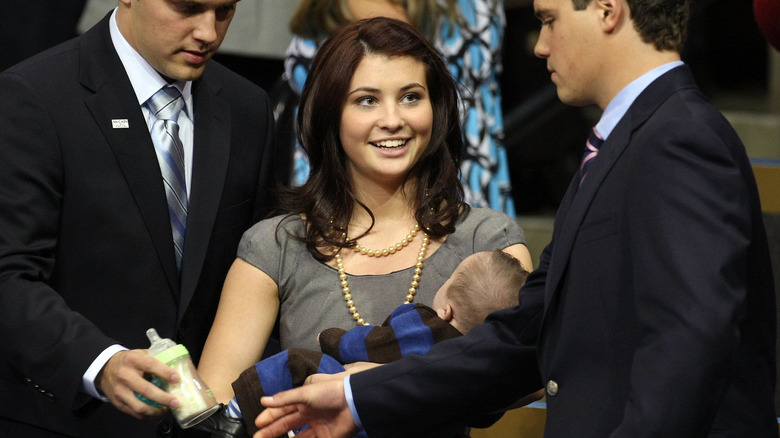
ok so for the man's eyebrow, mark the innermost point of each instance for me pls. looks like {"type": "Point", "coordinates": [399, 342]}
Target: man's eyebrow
{"type": "Point", "coordinates": [187, 3]}
{"type": "Point", "coordinates": [229, 3]}
{"type": "Point", "coordinates": [540, 13]}
{"type": "Point", "coordinates": [201, 3]}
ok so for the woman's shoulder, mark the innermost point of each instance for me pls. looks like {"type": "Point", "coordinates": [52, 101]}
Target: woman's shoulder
{"type": "Point", "coordinates": [274, 227]}
{"type": "Point", "coordinates": [485, 228]}
{"type": "Point", "coordinates": [270, 245]}
{"type": "Point", "coordinates": [480, 216]}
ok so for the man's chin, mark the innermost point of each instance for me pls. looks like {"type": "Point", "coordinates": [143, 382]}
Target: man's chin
{"type": "Point", "coordinates": [184, 73]}
{"type": "Point", "coordinates": [570, 99]}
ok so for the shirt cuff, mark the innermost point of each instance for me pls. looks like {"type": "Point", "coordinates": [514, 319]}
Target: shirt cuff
{"type": "Point", "coordinates": [88, 379]}
{"type": "Point", "coordinates": [351, 403]}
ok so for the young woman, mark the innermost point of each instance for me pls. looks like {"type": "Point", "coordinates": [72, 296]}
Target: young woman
{"type": "Point", "coordinates": [381, 219]}
{"type": "Point", "coordinates": [468, 34]}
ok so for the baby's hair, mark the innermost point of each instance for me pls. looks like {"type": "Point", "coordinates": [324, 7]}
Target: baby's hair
{"type": "Point", "coordinates": [485, 285]}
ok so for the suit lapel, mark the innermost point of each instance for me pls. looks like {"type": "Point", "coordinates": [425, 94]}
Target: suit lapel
{"type": "Point", "coordinates": [581, 198]}
{"type": "Point", "coordinates": [570, 219]}
{"type": "Point", "coordinates": [211, 151]}
{"type": "Point", "coordinates": [114, 102]}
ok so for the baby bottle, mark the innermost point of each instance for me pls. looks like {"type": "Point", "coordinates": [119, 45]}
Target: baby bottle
{"type": "Point", "coordinates": [196, 401]}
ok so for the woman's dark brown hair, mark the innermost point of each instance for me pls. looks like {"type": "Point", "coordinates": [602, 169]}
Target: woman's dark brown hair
{"type": "Point", "coordinates": [327, 198]}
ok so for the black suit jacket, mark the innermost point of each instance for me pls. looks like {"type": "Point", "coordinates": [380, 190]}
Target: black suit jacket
{"type": "Point", "coordinates": [652, 311]}
{"type": "Point", "coordinates": [86, 255]}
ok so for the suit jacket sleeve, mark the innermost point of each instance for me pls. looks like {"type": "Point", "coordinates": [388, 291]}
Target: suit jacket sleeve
{"type": "Point", "coordinates": [41, 335]}
{"type": "Point", "coordinates": [493, 365]}
{"type": "Point", "coordinates": [269, 176]}
{"type": "Point", "coordinates": [691, 291]}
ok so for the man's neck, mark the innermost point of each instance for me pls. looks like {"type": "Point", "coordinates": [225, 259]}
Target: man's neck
{"type": "Point", "coordinates": [629, 68]}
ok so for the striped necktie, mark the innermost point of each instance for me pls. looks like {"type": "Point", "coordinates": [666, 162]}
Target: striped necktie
{"type": "Point", "coordinates": [166, 105]}
{"type": "Point", "coordinates": [592, 147]}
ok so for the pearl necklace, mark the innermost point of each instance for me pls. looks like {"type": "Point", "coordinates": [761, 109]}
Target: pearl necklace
{"type": "Point", "coordinates": [392, 249]}
{"type": "Point", "coordinates": [412, 290]}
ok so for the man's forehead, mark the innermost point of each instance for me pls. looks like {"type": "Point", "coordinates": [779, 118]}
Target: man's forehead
{"type": "Point", "coordinates": [543, 7]}
{"type": "Point", "coordinates": [209, 3]}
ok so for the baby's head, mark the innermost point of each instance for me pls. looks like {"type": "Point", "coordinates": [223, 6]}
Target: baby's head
{"type": "Point", "coordinates": [481, 284]}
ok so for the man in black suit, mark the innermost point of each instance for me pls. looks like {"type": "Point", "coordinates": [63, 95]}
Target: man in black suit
{"type": "Point", "coordinates": [87, 258]}
{"type": "Point", "coordinates": [652, 313]}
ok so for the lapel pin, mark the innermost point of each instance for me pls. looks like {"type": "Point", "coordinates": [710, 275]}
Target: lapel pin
{"type": "Point", "coordinates": [120, 123]}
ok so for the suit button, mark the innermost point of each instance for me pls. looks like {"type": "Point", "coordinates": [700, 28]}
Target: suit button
{"type": "Point", "coordinates": [164, 428]}
{"type": "Point", "coordinates": [552, 388]}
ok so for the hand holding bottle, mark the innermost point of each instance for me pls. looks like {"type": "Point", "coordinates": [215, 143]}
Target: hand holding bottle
{"type": "Point", "coordinates": [123, 377]}
{"type": "Point", "coordinates": [195, 399]}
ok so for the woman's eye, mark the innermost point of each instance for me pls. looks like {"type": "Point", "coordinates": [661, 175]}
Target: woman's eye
{"type": "Point", "coordinates": [411, 98]}
{"type": "Point", "coordinates": [366, 101]}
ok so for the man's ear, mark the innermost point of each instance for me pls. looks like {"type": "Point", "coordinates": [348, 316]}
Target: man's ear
{"type": "Point", "coordinates": [610, 13]}
{"type": "Point", "coordinates": [445, 313]}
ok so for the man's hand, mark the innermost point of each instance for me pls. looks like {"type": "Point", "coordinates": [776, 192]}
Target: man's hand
{"type": "Point", "coordinates": [351, 368]}
{"type": "Point", "coordinates": [123, 376]}
{"type": "Point", "coordinates": [357, 367]}
{"type": "Point", "coordinates": [322, 406]}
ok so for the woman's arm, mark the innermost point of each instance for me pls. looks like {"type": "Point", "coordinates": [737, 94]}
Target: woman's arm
{"type": "Point", "coordinates": [245, 317]}
{"type": "Point", "coordinates": [521, 253]}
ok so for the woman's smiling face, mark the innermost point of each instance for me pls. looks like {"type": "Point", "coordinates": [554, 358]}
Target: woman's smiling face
{"type": "Point", "coordinates": [387, 118]}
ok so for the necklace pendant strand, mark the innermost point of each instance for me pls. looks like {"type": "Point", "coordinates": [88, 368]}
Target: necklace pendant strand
{"type": "Point", "coordinates": [412, 289]}
{"type": "Point", "coordinates": [392, 249]}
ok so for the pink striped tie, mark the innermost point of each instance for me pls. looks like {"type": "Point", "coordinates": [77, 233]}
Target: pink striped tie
{"type": "Point", "coordinates": [592, 147]}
